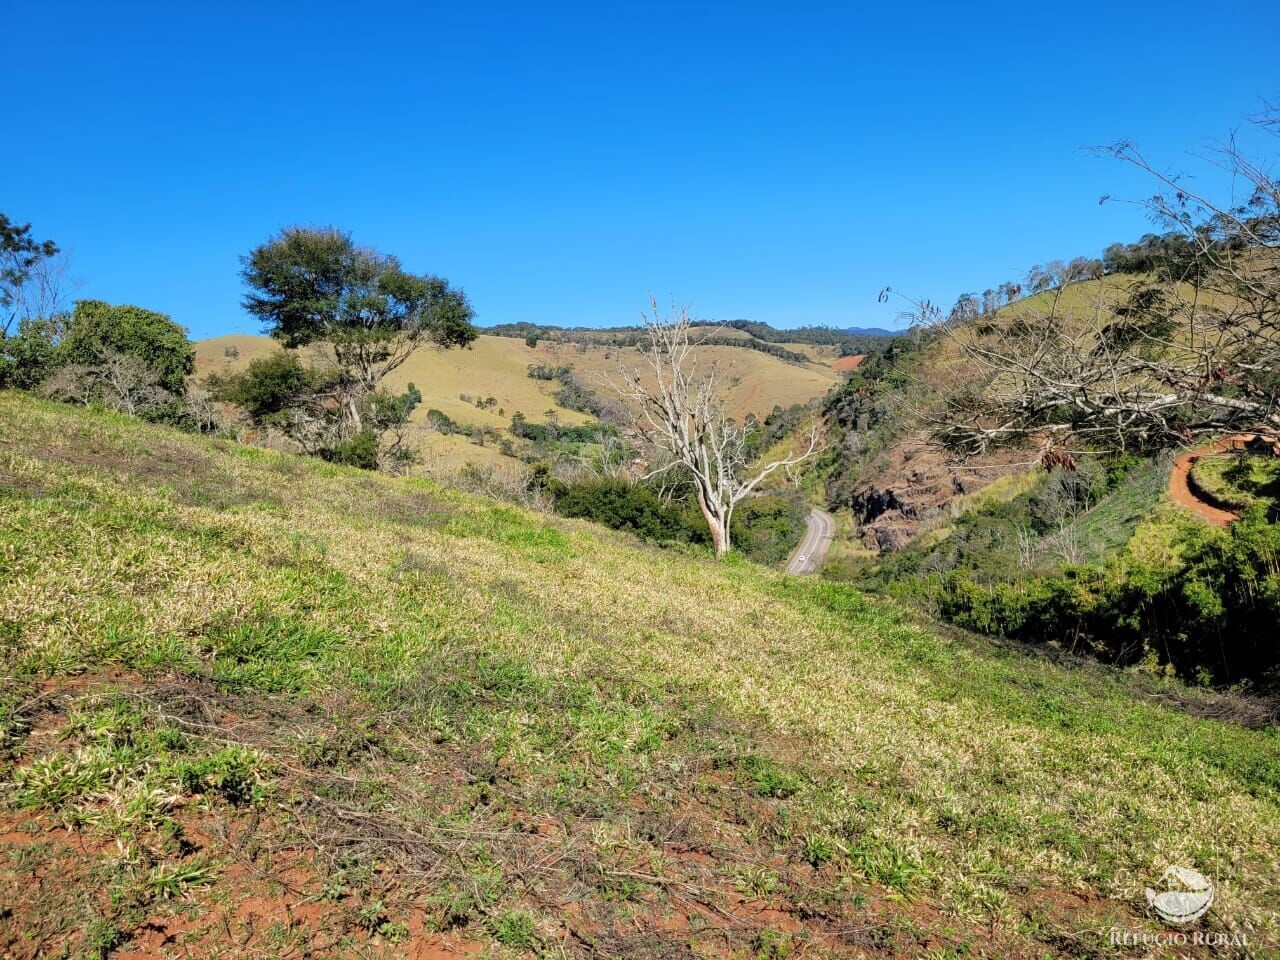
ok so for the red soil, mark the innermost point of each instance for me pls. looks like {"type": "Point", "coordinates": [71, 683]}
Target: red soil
{"type": "Point", "coordinates": [1180, 489]}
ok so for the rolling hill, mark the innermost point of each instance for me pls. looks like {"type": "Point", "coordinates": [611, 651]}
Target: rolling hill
{"type": "Point", "coordinates": [497, 367]}
{"type": "Point", "coordinates": [253, 704]}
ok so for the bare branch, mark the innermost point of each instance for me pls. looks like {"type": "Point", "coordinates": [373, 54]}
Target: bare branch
{"type": "Point", "coordinates": [678, 410]}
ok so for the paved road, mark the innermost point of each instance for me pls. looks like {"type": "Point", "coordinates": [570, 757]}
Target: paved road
{"type": "Point", "coordinates": [821, 530]}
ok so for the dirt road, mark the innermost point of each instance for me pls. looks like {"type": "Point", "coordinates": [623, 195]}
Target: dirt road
{"type": "Point", "coordinates": [1180, 490]}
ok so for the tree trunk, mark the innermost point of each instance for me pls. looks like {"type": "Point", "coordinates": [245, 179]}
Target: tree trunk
{"type": "Point", "coordinates": [719, 535]}
{"type": "Point", "coordinates": [353, 414]}
{"type": "Point", "coordinates": [717, 524]}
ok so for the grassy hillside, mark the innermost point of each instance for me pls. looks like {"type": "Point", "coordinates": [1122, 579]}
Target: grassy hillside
{"type": "Point", "coordinates": [491, 367]}
{"type": "Point", "coordinates": [497, 367]}
{"type": "Point", "coordinates": [257, 705]}
{"type": "Point", "coordinates": [753, 382]}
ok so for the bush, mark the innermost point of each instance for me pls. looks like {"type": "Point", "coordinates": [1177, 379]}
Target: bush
{"type": "Point", "coordinates": [1208, 617]}
{"type": "Point", "coordinates": [767, 528]}
{"type": "Point", "coordinates": [551, 432]}
{"type": "Point", "coordinates": [97, 326]}
{"type": "Point", "coordinates": [441, 422]}
{"type": "Point", "coordinates": [268, 387]}
{"type": "Point", "coordinates": [28, 358]}
{"type": "Point", "coordinates": [635, 508]}
{"type": "Point", "coordinates": [118, 382]}
{"type": "Point", "coordinates": [360, 451]}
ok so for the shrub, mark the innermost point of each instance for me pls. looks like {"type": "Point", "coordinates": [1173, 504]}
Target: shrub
{"type": "Point", "coordinates": [635, 508]}
{"type": "Point", "coordinates": [269, 386]}
{"type": "Point", "coordinates": [360, 451]}
{"type": "Point", "coordinates": [1209, 616]}
{"type": "Point", "coordinates": [29, 357]}
{"type": "Point", "coordinates": [441, 422]}
{"type": "Point", "coordinates": [767, 528]}
{"type": "Point", "coordinates": [96, 326]}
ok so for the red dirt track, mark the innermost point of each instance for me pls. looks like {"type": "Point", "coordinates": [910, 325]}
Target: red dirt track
{"type": "Point", "coordinates": [1180, 489]}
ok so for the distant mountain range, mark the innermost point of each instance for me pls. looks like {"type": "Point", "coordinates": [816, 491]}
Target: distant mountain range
{"type": "Point", "coordinates": [873, 332]}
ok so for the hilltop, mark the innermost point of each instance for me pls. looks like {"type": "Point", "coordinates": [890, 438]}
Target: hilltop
{"type": "Point", "coordinates": [255, 703]}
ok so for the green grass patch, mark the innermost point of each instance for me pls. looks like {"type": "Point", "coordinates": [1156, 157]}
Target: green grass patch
{"type": "Point", "coordinates": [1239, 481]}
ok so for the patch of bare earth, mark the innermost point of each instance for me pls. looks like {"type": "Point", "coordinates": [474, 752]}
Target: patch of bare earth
{"type": "Point", "coordinates": [916, 482]}
{"type": "Point", "coordinates": [380, 844]}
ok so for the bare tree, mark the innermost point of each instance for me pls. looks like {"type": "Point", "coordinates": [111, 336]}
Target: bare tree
{"type": "Point", "coordinates": [117, 380]}
{"type": "Point", "coordinates": [21, 255]}
{"type": "Point", "coordinates": [1146, 361]}
{"type": "Point", "coordinates": [609, 461]}
{"type": "Point", "coordinates": [1026, 540]}
{"type": "Point", "coordinates": [679, 411]}
{"type": "Point", "coordinates": [200, 407]}
{"type": "Point", "coordinates": [47, 289]}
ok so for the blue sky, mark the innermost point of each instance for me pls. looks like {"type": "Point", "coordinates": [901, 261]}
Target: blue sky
{"type": "Point", "coordinates": [780, 162]}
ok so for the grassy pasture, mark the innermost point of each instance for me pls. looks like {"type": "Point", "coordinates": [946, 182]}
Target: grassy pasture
{"type": "Point", "coordinates": [497, 367]}
{"type": "Point", "coordinates": [385, 715]}
{"type": "Point", "coordinates": [1239, 482]}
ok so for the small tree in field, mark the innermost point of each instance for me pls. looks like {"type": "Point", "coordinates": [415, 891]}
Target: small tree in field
{"type": "Point", "coordinates": [315, 286]}
{"type": "Point", "coordinates": [34, 286]}
{"type": "Point", "coordinates": [681, 415]}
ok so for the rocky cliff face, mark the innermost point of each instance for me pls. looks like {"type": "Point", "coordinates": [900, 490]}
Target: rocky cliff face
{"type": "Point", "coordinates": [915, 482]}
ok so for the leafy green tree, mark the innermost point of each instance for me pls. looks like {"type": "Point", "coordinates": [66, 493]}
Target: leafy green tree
{"type": "Point", "coordinates": [29, 357]}
{"type": "Point", "coordinates": [97, 327]}
{"type": "Point", "coordinates": [314, 285]}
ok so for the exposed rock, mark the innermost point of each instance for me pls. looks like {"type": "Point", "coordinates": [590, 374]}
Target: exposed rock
{"type": "Point", "coordinates": [918, 482]}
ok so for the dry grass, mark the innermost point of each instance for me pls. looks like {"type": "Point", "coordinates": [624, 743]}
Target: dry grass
{"type": "Point", "coordinates": [946, 779]}
{"type": "Point", "coordinates": [497, 367]}
{"type": "Point", "coordinates": [491, 367]}
{"type": "Point", "coordinates": [754, 382]}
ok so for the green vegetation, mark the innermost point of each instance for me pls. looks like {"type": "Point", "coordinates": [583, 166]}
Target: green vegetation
{"type": "Point", "coordinates": [1239, 481]}
{"type": "Point", "coordinates": [760, 337]}
{"type": "Point", "coordinates": [636, 508]}
{"type": "Point", "coordinates": [227, 668]}
{"type": "Point", "coordinates": [315, 286]}
{"type": "Point", "coordinates": [865, 414]}
{"type": "Point", "coordinates": [553, 431]}
{"type": "Point", "coordinates": [573, 394]}
{"type": "Point", "coordinates": [154, 339]}
{"type": "Point", "coordinates": [121, 357]}
{"type": "Point", "coordinates": [279, 392]}
{"type": "Point", "coordinates": [1087, 562]}
{"type": "Point", "coordinates": [270, 386]}
{"type": "Point", "coordinates": [1206, 613]}
{"type": "Point", "coordinates": [766, 528]}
